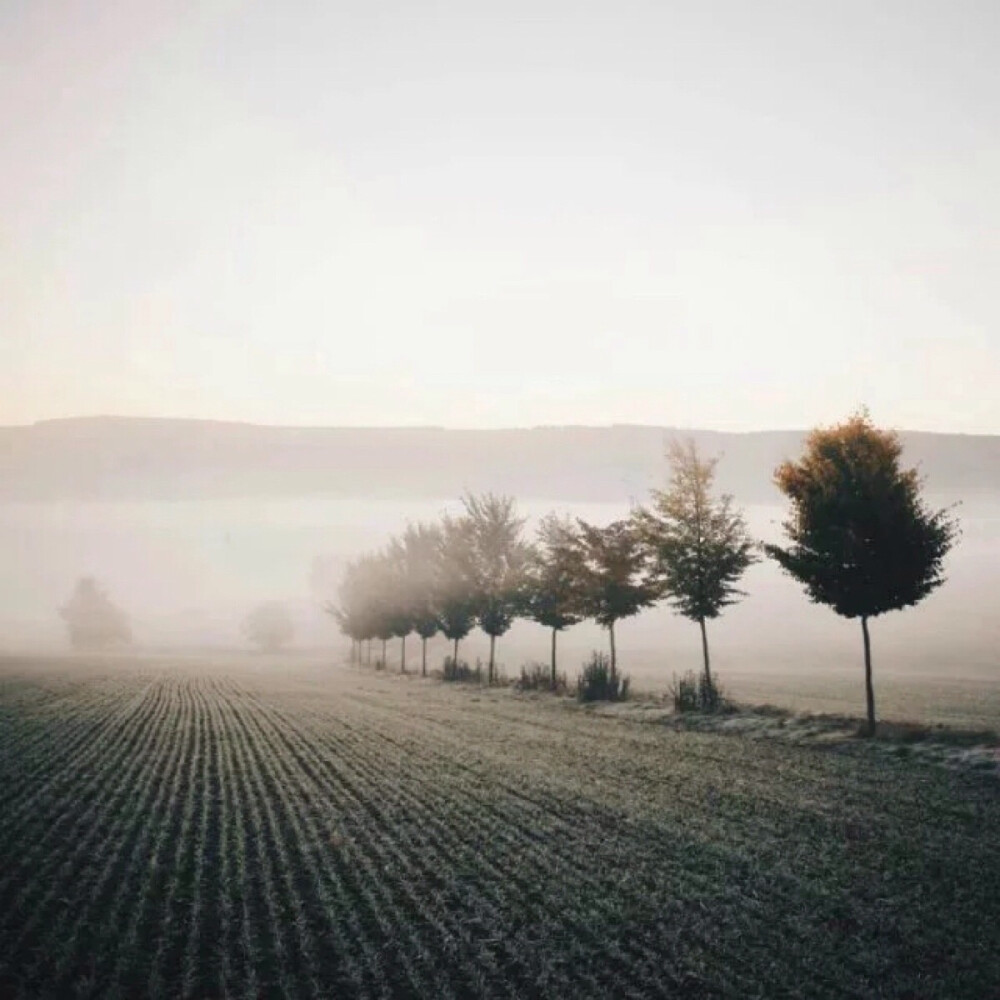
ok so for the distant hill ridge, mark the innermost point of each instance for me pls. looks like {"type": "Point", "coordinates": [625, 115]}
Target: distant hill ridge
{"type": "Point", "coordinates": [124, 458]}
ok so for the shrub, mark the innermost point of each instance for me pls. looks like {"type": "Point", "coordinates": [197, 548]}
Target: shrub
{"type": "Point", "coordinates": [711, 695]}
{"type": "Point", "coordinates": [697, 693]}
{"type": "Point", "coordinates": [599, 681]}
{"type": "Point", "coordinates": [684, 692]}
{"type": "Point", "coordinates": [538, 677]}
{"type": "Point", "coordinates": [459, 672]}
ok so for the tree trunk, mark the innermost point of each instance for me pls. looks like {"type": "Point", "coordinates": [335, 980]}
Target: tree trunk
{"type": "Point", "coordinates": [493, 643]}
{"type": "Point", "coordinates": [402, 654]}
{"type": "Point", "coordinates": [554, 634]}
{"type": "Point", "coordinates": [384, 658]}
{"type": "Point", "coordinates": [423, 656]}
{"type": "Point", "coordinates": [614, 657]}
{"type": "Point", "coordinates": [704, 651]}
{"type": "Point", "coordinates": [869, 689]}
{"type": "Point", "coordinates": [455, 658]}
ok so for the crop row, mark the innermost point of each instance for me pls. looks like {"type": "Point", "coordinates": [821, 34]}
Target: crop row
{"type": "Point", "coordinates": [212, 833]}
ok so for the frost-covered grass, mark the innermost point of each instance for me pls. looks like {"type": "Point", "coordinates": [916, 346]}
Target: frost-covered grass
{"type": "Point", "coordinates": [212, 829]}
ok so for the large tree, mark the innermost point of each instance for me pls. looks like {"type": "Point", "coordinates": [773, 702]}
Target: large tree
{"type": "Point", "coordinates": [862, 539]}
{"type": "Point", "coordinates": [499, 558]}
{"type": "Point", "coordinates": [551, 594]}
{"type": "Point", "coordinates": [699, 543]}
{"type": "Point", "coordinates": [94, 622]}
{"type": "Point", "coordinates": [614, 577]}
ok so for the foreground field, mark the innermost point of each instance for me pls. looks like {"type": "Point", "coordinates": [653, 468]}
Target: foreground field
{"type": "Point", "coordinates": [236, 829]}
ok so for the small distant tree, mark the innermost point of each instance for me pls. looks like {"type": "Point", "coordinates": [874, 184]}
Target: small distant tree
{"type": "Point", "coordinates": [455, 586]}
{"type": "Point", "coordinates": [699, 544]}
{"type": "Point", "coordinates": [862, 540]}
{"type": "Point", "coordinates": [614, 579]}
{"type": "Point", "coordinates": [498, 559]}
{"type": "Point", "coordinates": [94, 622]}
{"type": "Point", "coordinates": [551, 594]}
{"type": "Point", "coordinates": [269, 626]}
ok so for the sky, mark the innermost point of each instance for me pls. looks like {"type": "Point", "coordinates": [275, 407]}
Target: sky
{"type": "Point", "coordinates": [709, 213]}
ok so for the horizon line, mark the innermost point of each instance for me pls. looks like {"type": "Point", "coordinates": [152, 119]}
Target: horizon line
{"type": "Point", "coordinates": [618, 425]}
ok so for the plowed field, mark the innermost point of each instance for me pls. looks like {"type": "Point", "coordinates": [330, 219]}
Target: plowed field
{"type": "Point", "coordinates": [240, 829]}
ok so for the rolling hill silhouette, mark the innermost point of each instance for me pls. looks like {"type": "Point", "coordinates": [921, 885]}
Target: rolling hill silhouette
{"type": "Point", "coordinates": [165, 459]}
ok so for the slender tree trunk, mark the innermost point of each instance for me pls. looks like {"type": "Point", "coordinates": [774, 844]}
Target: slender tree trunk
{"type": "Point", "coordinates": [456, 654]}
{"type": "Point", "coordinates": [402, 655]}
{"type": "Point", "coordinates": [423, 656]}
{"type": "Point", "coordinates": [554, 634]}
{"type": "Point", "coordinates": [384, 660]}
{"type": "Point", "coordinates": [493, 643]}
{"type": "Point", "coordinates": [614, 657]}
{"type": "Point", "coordinates": [369, 652]}
{"type": "Point", "coordinates": [869, 689]}
{"type": "Point", "coordinates": [704, 651]}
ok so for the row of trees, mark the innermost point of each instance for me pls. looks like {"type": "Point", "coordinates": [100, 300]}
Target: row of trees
{"type": "Point", "coordinates": [860, 540]}
{"type": "Point", "coordinates": [477, 569]}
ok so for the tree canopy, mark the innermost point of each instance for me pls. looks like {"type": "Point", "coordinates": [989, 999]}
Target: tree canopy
{"type": "Point", "coordinates": [862, 539]}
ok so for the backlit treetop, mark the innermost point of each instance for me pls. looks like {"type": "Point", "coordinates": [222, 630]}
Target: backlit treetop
{"type": "Point", "coordinates": [862, 539]}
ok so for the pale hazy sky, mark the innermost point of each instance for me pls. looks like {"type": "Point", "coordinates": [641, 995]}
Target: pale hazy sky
{"type": "Point", "coordinates": [723, 214]}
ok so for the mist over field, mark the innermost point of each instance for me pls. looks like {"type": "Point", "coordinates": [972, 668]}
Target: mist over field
{"type": "Point", "coordinates": [187, 568]}
{"type": "Point", "coordinates": [279, 281]}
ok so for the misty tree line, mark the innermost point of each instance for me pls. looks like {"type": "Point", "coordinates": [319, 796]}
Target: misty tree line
{"type": "Point", "coordinates": [860, 540]}
{"type": "Point", "coordinates": [477, 569]}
